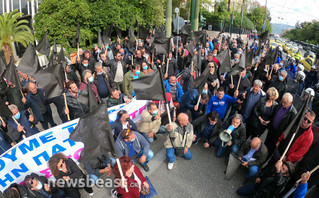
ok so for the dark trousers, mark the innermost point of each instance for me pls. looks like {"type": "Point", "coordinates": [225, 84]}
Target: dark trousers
{"type": "Point", "coordinates": [60, 106]}
{"type": "Point", "coordinates": [47, 119]}
{"type": "Point", "coordinates": [271, 140]}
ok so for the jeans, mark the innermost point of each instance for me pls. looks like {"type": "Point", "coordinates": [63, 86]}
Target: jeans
{"type": "Point", "coordinates": [253, 170]}
{"type": "Point", "coordinates": [149, 156]}
{"type": "Point", "coordinates": [47, 119]}
{"type": "Point", "coordinates": [221, 150]}
{"type": "Point", "coordinates": [247, 190]}
{"type": "Point", "coordinates": [94, 177]}
{"type": "Point", "coordinates": [149, 139]}
{"type": "Point", "coordinates": [170, 154]}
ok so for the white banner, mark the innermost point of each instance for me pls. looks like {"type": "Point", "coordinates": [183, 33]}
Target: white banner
{"type": "Point", "coordinates": [32, 154]}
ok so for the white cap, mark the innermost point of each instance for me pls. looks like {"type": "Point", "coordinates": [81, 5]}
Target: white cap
{"type": "Point", "coordinates": [301, 67]}
{"type": "Point", "coordinates": [280, 49]}
{"type": "Point", "coordinates": [313, 67]}
{"type": "Point", "coordinates": [310, 91]}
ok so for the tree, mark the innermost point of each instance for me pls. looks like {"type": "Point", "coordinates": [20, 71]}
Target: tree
{"type": "Point", "coordinates": [12, 30]}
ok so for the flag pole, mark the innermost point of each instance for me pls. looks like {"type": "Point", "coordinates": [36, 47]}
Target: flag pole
{"type": "Point", "coordinates": [167, 64]}
{"type": "Point", "coordinates": [287, 148]}
{"type": "Point", "coordinates": [121, 173]}
{"type": "Point", "coordinates": [65, 75]}
{"type": "Point", "coordinates": [78, 46]}
{"type": "Point", "coordinates": [164, 94]}
{"type": "Point", "coordinates": [238, 83]}
{"type": "Point", "coordinates": [152, 60]}
{"type": "Point", "coordinates": [231, 79]}
{"type": "Point", "coordinates": [132, 57]}
{"type": "Point", "coordinates": [313, 170]}
{"type": "Point", "coordinates": [66, 106]}
{"type": "Point", "coordinates": [23, 136]}
{"type": "Point", "coordinates": [22, 93]}
{"type": "Point", "coordinates": [272, 68]}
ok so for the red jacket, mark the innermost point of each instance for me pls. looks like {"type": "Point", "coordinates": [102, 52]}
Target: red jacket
{"type": "Point", "coordinates": [133, 189]}
{"type": "Point", "coordinates": [216, 61]}
{"type": "Point", "coordinates": [300, 147]}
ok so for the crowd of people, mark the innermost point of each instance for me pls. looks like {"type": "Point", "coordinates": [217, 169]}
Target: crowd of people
{"type": "Point", "coordinates": [257, 99]}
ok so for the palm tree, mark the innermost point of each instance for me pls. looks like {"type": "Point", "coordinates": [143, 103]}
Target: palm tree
{"type": "Point", "coordinates": [11, 31]}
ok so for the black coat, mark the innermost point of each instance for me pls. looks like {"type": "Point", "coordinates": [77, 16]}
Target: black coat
{"type": "Point", "coordinates": [259, 110]}
{"type": "Point", "coordinates": [281, 86]}
{"type": "Point", "coordinates": [23, 191]}
{"type": "Point", "coordinates": [113, 65]}
{"type": "Point", "coordinates": [74, 172]}
{"type": "Point", "coordinates": [76, 108]}
{"type": "Point", "coordinates": [117, 127]}
{"type": "Point", "coordinates": [260, 155]}
{"type": "Point", "coordinates": [43, 180]}
{"type": "Point", "coordinates": [238, 134]}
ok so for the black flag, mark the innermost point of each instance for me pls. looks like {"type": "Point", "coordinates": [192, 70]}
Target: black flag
{"type": "Point", "coordinates": [118, 31]}
{"type": "Point", "coordinates": [161, 45]}
{"type": "Point", "coordinates": [2, 65]}
{"type": "Point", "coordinates": [99, 39]}
{"type": "Point", "coordinates": [148, 87]}
{"type": "Point", "coordinates": [268, 56]}
{"type": "Point", "coordinates": [29, 63]}
{"type": "Point", "coordinates": [190, 49]}
{"type": "Point", "coordinates": [4, 110]}
{"type": "Point", "coordinates": [199, 37]}
{"type": "Point", "coordinates": [186, 29]}
{"type": "Point", "coordinates": [143, 32]}
{"type": "Point", "coordinates": [77, 35]}
{"type": "Point", "coordinates": [130, 45]}
{"type": "Point", "coordinates": [131, 33]}
{"type": "Point", "coordinates": [224, 60]}
{"type": "Point", "coordinates": [249, 58]}
{"type": "Point", "coordinates": [236, 69]}
{"type": "Point", "coordinates": [11, 74]}
{"type": "Point", "coordinates": [263, 37]}
{"type": "Point", "coordinates": [201, 80]}
{"type": "Point", "coordinates": [94, 130]}
{"type": "Point", "coordinates": [92, 101]}
{"type": "Point", "coordinates": [44, 45]}
{"type": "Point", "coordinates": [107, 34]}
{"type": "Point", "coordinates": [242, 62]}
{"type": "Point", "coordinates": [54, 48]}
{"type": "Point", "coordinates": [61, 57]}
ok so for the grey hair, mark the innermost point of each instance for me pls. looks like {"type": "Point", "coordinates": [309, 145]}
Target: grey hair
{"type": "Point", "coordinates": [288, 96]}
{"type": "Point", "coordinates": [258, 82]}
{"type": "Point", "coordinates": [284, 72]}
{"type": "Point", "coordinates": [238, 116]}
{"type": "Point", "coordinates": [12, 107]}
{"type": "Point", "coordinates": [97, 64]}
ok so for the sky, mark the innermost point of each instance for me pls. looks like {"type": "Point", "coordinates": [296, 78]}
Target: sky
{"type": "Point", "coordinates": [291, 11]}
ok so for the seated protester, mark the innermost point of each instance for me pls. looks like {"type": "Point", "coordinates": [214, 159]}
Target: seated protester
{"type": "Point", "coordinates": [253, 154]}
{"type": "Point", "coordinates": [65, 169]}
{"type": "Point", "coordinates": [175, 89]}
{"type": "Point", "coordinates": [122, 122]}
{"type": "Point", "coordinates": [188, 78]}
{"type": "Point", "coordinates": [97, 166]}
{"type": "Point", "coordinates": [189, 103]}
{"type": "Point", "coordinates": [146, 69]}
{"type": "Point", "coordinates": [301, 142]}
{"type": "Point", "coordinates": [150, 122]}
{"type": "Point", "coordinates": [103, 80]}
{"type": "Point", "coordinates": [244, 83]}
{"type": "Point", "coordinates": [26, 122]}
{"type": "Point", "coordinates": [116, 98]}
{"type": "Point", "coordinates": [18, 191]}
{"type": "Point", "coordinates": [40, 186]}
{"type": "Point", "coordinates": [279, 83]}
{"type": "Point", "coordinates": [135, 146]}
{"type": "Point", "coordinates": [238, 135]}
{"type": "Point", "coordinates": [262, 113]}
{"type": "Point", "coordinates": [220, 102]}
{"type": "Point", "coordinates": [269, 182]}
{"type": "Point", "coordinates": [71, 75]}
{"type": "Point", "coordinates": [134, 73]}
{"type": "Point", "coordinates": [249, 99]}
{"type": "Point", "coordinates": [88, 79]}
{"type": "Point", "coordinates": [209, 130]}
{"type": "Point", "coordinates": [75, 107]}
{"type": "Point", "coordinates": [134, 177]}
{"type": "Point", "coordinates": [179, 140]}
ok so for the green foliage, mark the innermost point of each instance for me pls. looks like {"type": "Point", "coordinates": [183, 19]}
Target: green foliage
{"type": "Point", "coordinates": [306, 31]}
{"type": "Point", "coordinates": [59, 17]}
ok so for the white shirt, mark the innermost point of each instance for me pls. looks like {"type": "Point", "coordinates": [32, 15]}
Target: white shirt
{"type": "Point", "coordinates": [119, 73]}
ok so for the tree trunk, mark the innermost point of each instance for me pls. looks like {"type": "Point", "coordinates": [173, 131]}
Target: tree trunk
{"type": "Point", "coordinates": [7, 52]}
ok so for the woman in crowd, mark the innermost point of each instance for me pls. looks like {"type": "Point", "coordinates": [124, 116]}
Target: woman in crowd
{"type": "Point", "coordinates": [262, 113]}
{"type": "Point", "coordinates": [212, 79]}
{"type": "Point", "coordinates": [63, 168]}
{"type": "Point", "coordinates": [134, 179]}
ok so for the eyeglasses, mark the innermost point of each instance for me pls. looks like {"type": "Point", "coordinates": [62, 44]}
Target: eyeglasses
{"type": "Point", "coordinates": [62, 163]}
{"type": "Point", "coordinates": [306, 119]}
{"type": "Point", "coordinates": [31, 182]}
{"type": "Point", "coordinates": [211, 67]}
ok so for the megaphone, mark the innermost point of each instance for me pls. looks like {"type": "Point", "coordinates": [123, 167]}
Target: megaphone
{"type": "Point", "coordinates": [225, 136]}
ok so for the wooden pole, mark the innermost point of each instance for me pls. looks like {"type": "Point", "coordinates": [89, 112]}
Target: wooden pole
{"type": "Point", "coordinates": [167, 64]}
{"type": "Point", "coordinates": [121, 173]}
{"type": "Point", "coordinates": [66, 106]}
{"type": "Point", "coordinates": [231, 79]}
{"type": "Point", "coordinates": [21, 93]}
{"type": "Point", "coordinates": [271, 70]}
{"type": "Point", "coordinates": [132, 57]}
{"type": "Point", "coordinates": [313, 170]}
{"type": "Point", "coordinates": [23, 136]}
{"type": "Point", "coordinates": [287, 148]}
{"type": "Point", "coordinates": [78, 46]}
{"type": "Point", "coordinates": [198, 99]}
{"type": "Point", "coordinates": [152, 59]}
{"type": "Point", "coordinates": [168, 113]}
{"type": "Point", "coordinates": [238, 83]}
{"type": "Point", "coordinates": [65, 75]}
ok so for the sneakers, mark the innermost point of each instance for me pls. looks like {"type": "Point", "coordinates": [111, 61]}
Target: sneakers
{"type": "Point", "coordinates": [170, 165]}
{"type": "Point", "coordinates": [145, 167]}
{"type": "Point", "coordinates": [91, 194]}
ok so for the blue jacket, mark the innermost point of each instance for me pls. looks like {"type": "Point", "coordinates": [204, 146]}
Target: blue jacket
{"type": "Point", "coordinates": [29, 127]}
{"type": "Point", "coordinates": [139, 143]}
{"type": "Point", "coordinates": [292, 68]}
{"type": "Point", "coordinates": [117, 127]}
{"type": "Point", "coordinates": [301, 190]}
{"type": "Point", "coordinates": [211, 46]}
{"type": "Point", "coordinates": [179, 93]}
{"type": "Point", "coordinates": [33, 104]}
{"type": "Point", "coordinates": [244, 107]}
{"type": "Point", "coordinates": [189, 100]}
{"type": "Point", "coordinates": [4, 145]}
{"type": "Point", "coordinates": [220, 106]}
